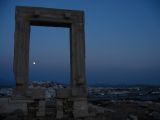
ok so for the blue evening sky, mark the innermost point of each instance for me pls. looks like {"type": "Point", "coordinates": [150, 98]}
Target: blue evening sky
{"type": "Point", "coordinates": [122, 42]}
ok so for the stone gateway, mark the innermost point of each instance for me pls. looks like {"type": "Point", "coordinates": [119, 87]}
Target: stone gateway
{"type": "Point", "coordinates": [76, 93]}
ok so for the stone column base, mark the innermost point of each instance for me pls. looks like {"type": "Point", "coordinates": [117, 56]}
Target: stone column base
{"type": "Point", "coordinates": [59, 105]}
{"type": "Point", "coordinates": [80, 108]}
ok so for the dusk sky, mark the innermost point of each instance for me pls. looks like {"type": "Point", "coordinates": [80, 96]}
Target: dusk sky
{"type": "Point", "coordinates": [122, 42]}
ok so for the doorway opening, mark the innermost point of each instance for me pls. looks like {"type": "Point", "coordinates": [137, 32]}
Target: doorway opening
{"type": "Point", "coordinates": [49, 57]}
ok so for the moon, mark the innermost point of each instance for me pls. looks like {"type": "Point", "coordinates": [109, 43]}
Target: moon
{"type": "Point", "coordinates": [34, 62]}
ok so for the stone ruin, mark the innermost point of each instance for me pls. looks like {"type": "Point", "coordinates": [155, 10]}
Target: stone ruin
{"type": "Point", "coordinates": [76, 94]}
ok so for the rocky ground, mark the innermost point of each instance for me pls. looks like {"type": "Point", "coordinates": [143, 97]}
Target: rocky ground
{"type": "Point", "coordinates": [101, 110]}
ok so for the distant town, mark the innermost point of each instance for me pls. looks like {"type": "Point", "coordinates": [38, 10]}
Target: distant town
{"type": "Point", "coordinates": [107, 93]}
